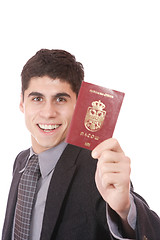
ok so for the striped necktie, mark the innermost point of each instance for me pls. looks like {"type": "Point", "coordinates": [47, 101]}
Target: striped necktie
{"type": "Point", "coordinates": [25, 199]}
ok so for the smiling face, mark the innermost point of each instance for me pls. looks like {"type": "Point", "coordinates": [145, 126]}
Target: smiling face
{"type": "Point", "coordinates": [48, 107]}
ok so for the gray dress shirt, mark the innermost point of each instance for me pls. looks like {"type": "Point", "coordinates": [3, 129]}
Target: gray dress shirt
{"type": "Point", "coordinates": [47, 162]}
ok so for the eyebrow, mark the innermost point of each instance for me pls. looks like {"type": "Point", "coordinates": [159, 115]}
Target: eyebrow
{"type": "Point", "coordinates": [38, 94]}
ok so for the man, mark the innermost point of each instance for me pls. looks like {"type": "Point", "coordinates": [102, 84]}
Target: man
{"type": "Point", "coordinates": [78, 194]}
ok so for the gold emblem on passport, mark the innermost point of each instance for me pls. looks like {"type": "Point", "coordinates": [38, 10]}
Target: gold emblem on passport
{"type": "Point", "coordinates": [95, 116]}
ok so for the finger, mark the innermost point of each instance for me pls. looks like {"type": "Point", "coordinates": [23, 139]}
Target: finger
{"type": "Point", "coordinates": [109, 168]}
{"type": "Point", "coordinates": [111, 157]}
{"type": "Point", "coordinates": [109, 179]}
{"type": "Point", "coordinates": [109, 144]}
{"type": "Point", "coordinates": [114, 179]}
{"type": "Point", "coordinates": [114, 168]}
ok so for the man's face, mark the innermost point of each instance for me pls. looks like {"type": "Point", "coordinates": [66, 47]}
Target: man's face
{"type": "Point", "coordinates": [48, 107]}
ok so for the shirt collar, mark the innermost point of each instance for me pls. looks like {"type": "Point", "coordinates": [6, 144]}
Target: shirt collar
{"type": "Point", "coordinates": [49, 158]}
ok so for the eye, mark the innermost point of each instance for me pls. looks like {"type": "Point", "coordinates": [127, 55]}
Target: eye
{"type": "Point", "coordinates": [61, 99]}
{"type": "Point", "coordinates": [37, 99]}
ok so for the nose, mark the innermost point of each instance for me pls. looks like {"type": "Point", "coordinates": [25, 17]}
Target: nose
{"type": "Point", "coordinates": [48, 110]}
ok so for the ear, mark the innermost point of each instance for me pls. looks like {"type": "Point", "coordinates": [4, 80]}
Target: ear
{"type": "Point", "coordinates": [21, 105]}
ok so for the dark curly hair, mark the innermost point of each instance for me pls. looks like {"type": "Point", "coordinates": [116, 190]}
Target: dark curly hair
{"type": "Point", "coordinates": [54, 64]}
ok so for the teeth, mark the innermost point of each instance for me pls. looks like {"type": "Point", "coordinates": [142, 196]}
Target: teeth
{"type": "Point", "coordinates": [48, 127]}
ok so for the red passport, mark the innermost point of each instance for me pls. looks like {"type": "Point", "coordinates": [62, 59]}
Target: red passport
{"type": "Point", "coordinates": [95, 115]}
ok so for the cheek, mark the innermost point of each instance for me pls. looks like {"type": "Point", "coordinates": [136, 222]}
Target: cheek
{"type": "Point", "coordinates": [69, 115]}
{"type": "Point", "coordinates": [31, 109]}
{"type": "Point", "coordinates": [29, 114]}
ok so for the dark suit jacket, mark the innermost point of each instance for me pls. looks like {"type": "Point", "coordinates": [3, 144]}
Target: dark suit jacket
{"type": "Point", "coordinates": [74, 208]}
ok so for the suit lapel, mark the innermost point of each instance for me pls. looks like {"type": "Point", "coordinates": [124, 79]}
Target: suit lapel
{"type": "Point", "coordinates": [8, 224]}
{"type": "Point", "coordinates": [59, 185]}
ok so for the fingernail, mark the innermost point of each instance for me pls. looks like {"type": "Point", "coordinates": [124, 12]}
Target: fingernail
{"type": "Point", "coordinates": [94, 154]}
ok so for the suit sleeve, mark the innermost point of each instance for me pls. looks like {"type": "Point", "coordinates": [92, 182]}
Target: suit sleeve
{"type": "Point", "coordinates": [145, 222]}
{"type": "Point", "coordinates": [148, 222]}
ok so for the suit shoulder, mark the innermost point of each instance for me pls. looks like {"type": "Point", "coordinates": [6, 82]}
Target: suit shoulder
{"type": "Point", "coordinates": [23, 154]}
{"type": "Point", "coordinates": [20, 157]}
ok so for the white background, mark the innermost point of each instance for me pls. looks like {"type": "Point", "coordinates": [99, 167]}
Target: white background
{"type": "Point", "coordinates": [118, 43]}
